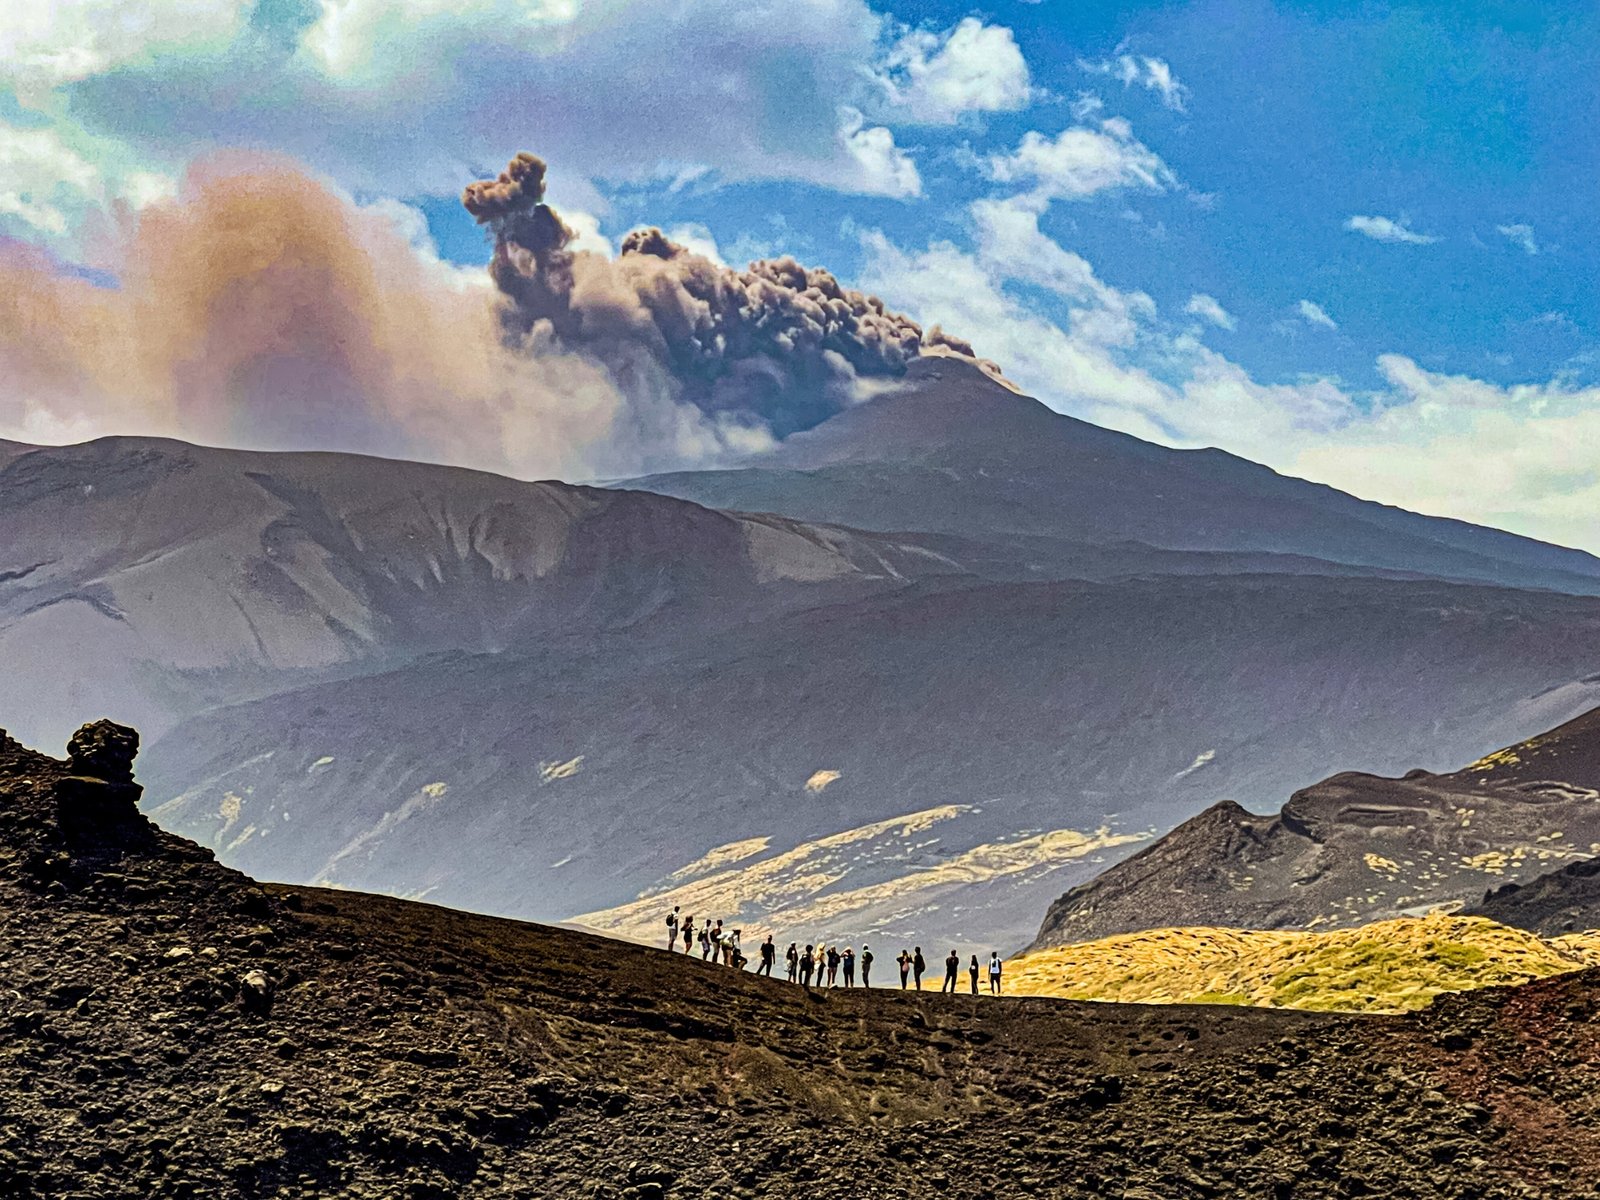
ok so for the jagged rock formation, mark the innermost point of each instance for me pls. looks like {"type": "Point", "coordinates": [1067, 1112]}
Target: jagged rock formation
{"type": "Point", "coordinates": [1358, 848]}
{"type": "Point", "coordinates": [1563, 901]}
{"type": "Point", "coordinates": [174, 1029]}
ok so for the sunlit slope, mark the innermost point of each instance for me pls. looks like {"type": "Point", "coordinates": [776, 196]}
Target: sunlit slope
{"type": "Point", "coordinates": [1388, 966]}
{"type": "Point", "coordinates": [887, 878]}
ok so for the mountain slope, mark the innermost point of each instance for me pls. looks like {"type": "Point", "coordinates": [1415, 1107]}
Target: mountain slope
{"type": "Point", "coordinates": [1358, 847]}
{"type": "Point", "coordinates": [153, 578]}
{"type": "Point", "coordinates": [573, 779]}
{"type": "Point", "coordinates": [172, 1028]}
{"type": "Point", "coordinates": [955, 452]}
{"type": "Point", "coordinates": [548, 701]}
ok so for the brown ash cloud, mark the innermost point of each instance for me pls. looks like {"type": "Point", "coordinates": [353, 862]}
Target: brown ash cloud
{"type": "Point", "coordinates": [773, 348]}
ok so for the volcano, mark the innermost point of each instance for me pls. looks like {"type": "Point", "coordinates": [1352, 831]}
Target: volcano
{"type": "Point", "coordinates": [1032, 643]}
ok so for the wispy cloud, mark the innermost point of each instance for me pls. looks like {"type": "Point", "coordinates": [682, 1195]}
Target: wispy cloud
{"type": "Point", "coordinates": [1383, 229]}
{"type": "Point", "coordinates": [1209, 308]}
{"type": "Point", "coordinates": [1153, 74]}
{"type": "Point", "coordinates": [1314, 314]}
{"type": "Point", "coordinates": [1520, 236]}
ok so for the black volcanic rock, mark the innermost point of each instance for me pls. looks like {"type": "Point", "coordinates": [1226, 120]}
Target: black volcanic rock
{"type": "Point", "coordinates": [1563, 901]}
{"type": "Point", "coordinates": [168, 1028]}
{"type": "Point", "coordinates": [1358, 848]}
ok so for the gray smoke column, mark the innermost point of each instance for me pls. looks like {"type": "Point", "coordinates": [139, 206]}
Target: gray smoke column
{"type": "Point", "coordinates": [775, 348]}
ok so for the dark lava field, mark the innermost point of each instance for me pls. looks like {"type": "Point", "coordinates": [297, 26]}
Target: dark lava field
{"type": "Point", "coordinates": [170, 1028]}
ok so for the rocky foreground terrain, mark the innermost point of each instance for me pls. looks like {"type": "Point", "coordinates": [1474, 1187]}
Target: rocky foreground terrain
{"type": "Point", "coordinates": [173, 1029]}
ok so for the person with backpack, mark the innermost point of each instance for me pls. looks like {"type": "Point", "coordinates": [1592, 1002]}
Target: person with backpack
{"type": "Point", "coordinates": [973, 971]}
{"type": "Point", "coordinates": [833, 965]}
{"type": "Point", "coordinates": [769, 955]}
{"type": "Point", "coordinates": [792, 957]}
{"type": "Point", "coordinates": [952, 973]}
{"type": "Point", "coordinates": [866, 966]}
{"type": "Point", "coordinates": [715, 938]}
{"type": "Point", "coordinates": [705, 943]}
{"type": "Point", "coordinates": [808, 963]}
{"type": "Point", "coordinates": [848, 962]}
{"type": "Point", "coordinates": [905, 967]}
{"type": "Point", "coordinates": [672, 928]}
{"type": "Point", "coordinates": [994, 972]}
{"type": "Point", "coordinates": [918, 966]}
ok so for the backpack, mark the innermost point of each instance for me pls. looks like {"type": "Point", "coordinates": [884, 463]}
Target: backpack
{"type": "Point", "coordinates": [672, 920]}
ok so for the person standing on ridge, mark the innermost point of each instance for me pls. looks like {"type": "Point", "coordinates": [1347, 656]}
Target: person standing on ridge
{"type": "Point", "coordinates": [731, 953]}
{"type": "Point", "coordinates": [905, 967]}
{"type": "Point", "coordinates": [792, 957]}
{"type": "Point", "coordinates": [918, 966]}
{"type": "Point", "coordinates": [672, 928]}
{"type": "Point", "coordinates": [952, 973]}
{"type": "Point", "coordinates": [808, 963]}
{"type": "Point", "coordinates": [688, 934]}
{"type": "Point", "coordinates": [715, 938]}
{"type": "Point", "coordinates": [973, 971]}
{"type": "Point", "coordinates": [848, 962]}
{"type": "Point", "coordinates": [705, 943]}
{"type": "Point", "coordinates": [866, 966]}
{"type": "Point", "coordinates": [994, 971]}
{"type": "Point", "coordinates": [833, 966]}
{"type": "Point", "coordinates": [769, 955]}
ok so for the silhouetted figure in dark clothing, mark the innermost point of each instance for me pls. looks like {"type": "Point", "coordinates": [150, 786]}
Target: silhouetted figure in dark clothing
{"type": "Point", "coordinates": [792, 957]}
{"type": "Point", "coordinates": [918, 966]}
{"type": "Point", "coordinates": [905, 967]}
{"type": "Point", "coordinates": [994, 972]}
{"type": "Point", "coordinates": [952, 973]}
{"type": "Point", "coordinates": [833, 965]}
{"type": "Point", "coordinates": [866, 967]}
{"type": "Point", "coordinates": [769, 955]}
{"type": "Point", "coordinates": [848, 962]}
{"type": "Point", "coordinates": [808, 963]}
{"type": "Point", "coordinates": [688, 934]}
{"type": "Point", "coordinates": [973, 971]}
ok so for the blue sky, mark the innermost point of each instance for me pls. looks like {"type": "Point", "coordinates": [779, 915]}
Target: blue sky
{"type": "Point", "coordinates": [1356, 241]}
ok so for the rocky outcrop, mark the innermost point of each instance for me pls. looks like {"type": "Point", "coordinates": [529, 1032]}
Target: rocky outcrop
{"type": "Point", "coordinates": [1563, 901]}
{"type": "Point", "coordinates": [1357, 848]}
{"type": "Point", "coordinates": [169, 1028]}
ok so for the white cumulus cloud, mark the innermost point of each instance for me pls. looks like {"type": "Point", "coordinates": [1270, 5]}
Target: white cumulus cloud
{"type": "Point", "coordinates": [410, 96]}
{"type": "Point", "coordinates": [1083, 160]}
{"type": "Point", "coordinates": [934, 78]}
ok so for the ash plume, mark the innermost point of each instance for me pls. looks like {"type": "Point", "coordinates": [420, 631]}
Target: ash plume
{"type": "Point", "coordinates": [770, 349]}
{"type": "Point", "coordinates": [262, 309]}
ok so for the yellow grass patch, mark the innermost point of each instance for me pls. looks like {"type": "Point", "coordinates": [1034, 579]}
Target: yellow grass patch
{"type": "Point", "coordinates": [1388, 966]}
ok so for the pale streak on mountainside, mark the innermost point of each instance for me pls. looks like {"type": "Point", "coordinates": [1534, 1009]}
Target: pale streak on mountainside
{"type": "Point", "coordinates": [794, 890]}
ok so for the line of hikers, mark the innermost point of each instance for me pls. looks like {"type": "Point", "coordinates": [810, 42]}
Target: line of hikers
{"type": "Point", "coordinates": [821, 965]}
